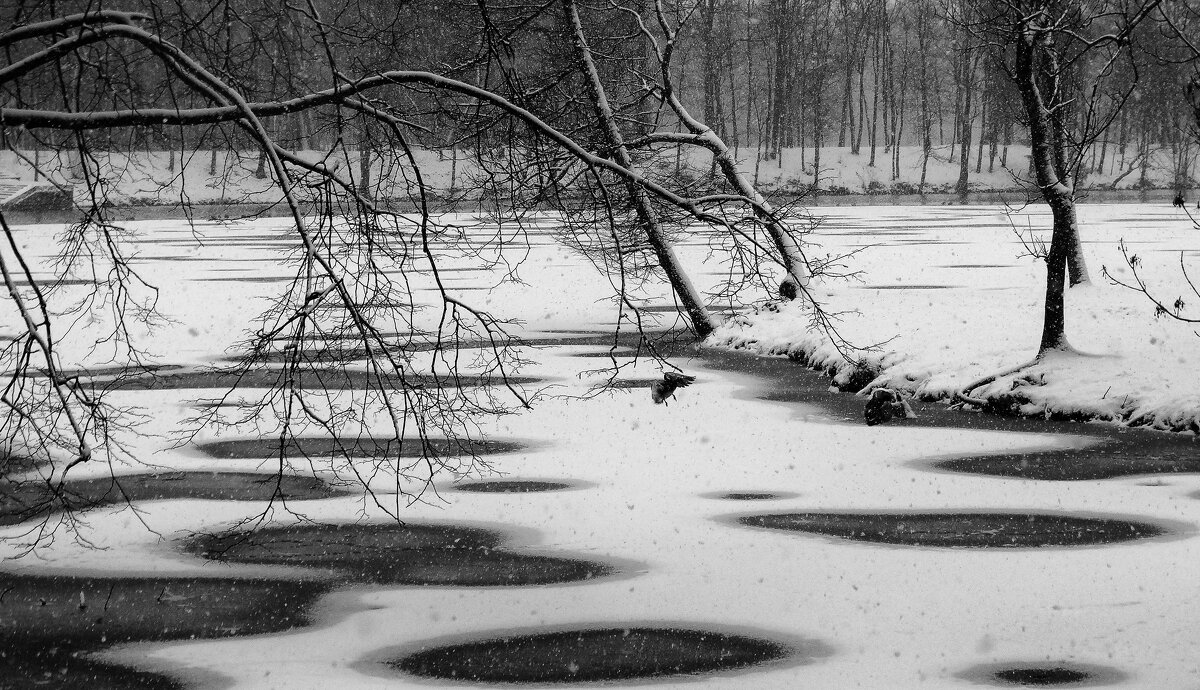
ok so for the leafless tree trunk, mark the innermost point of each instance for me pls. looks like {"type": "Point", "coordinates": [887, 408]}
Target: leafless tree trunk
{"type": "Point", "coordinates": [691, 299]}
{"type": "Point", "coordinates": [1041, 37]}
{"type": "Point", "coordinates": [790, 255]}
{"type": "Point", "coordinates": [966, 81]}
{"type": "Point", "coordinates": [711, 78]}
{"type": "Point", "coordinates": [926, 115]}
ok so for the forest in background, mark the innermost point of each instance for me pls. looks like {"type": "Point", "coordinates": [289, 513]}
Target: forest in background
{"type": "Point", "coordinates": [873, 78]}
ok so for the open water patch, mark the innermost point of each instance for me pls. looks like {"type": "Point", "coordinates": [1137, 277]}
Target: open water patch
{"type": "Point", "coordinates": [1104, 461]}
{"type": "Point", "coordinates": [1043, 674]}
{"type": "Point", "coordinates": [307, 378]}
{"type": "Point", "coordinates": [961, 529]}
{"type": "Point", "coordinates": [512, 486]}
{"type": "Point", "coordinates": [23, 501]}
{"type": "Point", "coordinates": [364, 447]}
{"type": "Point", "coordinates": [48, 624]}
{"type": "Point", "coordinates": [327, 350]}
{"type": "Point", "coordinates": [750, 495]}
{"type": "Point", "coordinates": [394, 554]}
{"type": "Point", "coordinates": [347, 347]}
{"type": "Point", "coordinates": [588, 654]}
{"type": "Point", "coordinates": [49, 282]}
{"type": "Point", "coordinates": [12, 464]}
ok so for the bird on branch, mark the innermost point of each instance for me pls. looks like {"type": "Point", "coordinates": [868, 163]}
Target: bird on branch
{"type": "Point", "coordinates": [671, 380]}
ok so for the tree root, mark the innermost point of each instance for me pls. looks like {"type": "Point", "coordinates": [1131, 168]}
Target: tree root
{"type": "Point", "coordinates": [963, 395]}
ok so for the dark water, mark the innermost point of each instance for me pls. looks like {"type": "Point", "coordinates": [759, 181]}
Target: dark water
{"type": "Point", "coordinates": [598, 654]}
{"type": "Point", "coordinates": [391, 554]}
{"type": "Point", "coordinates": [49, 623]}
{"type": "Point", "coordinates": [1043, 674]}
{"type": "Point", "coordinates": [511, 486]}
{"type": "Point", "coordinates": [22, 501]}
{"type": "Point", "coordinates": [258, 448]}
{"type": "Point", "coordinates": [961, 529]}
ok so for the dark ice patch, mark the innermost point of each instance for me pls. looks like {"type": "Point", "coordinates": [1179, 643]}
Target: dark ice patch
{"type": "Point", "coordinates": [753, 495]}
{"type": "Point", "coordinates": [1043, 674]}
{"type": "Point", "coordinates": [19, 502]}
{"type": "Point", "coordinates": [597, 654]}
{"type": "Point", "coordinates": [49, 623]}
{"type": "Point", "coordinates": [511, 486]}
{"type": "Point", "coordinates": [1100, 462]}
{"type": "Point", "coordinates": [364, 447]}
{"type": "Point", "coordinates": [307, 378]}
{"type": "Point", "coordinates": [392, 554]}
{"type": "Point", "coordinates": [964, 530]}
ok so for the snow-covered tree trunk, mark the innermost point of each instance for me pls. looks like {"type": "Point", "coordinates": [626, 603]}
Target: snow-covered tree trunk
{"type": "Point", "coordinates": [794, 262]}
{"type": "Point", "coordinates": [1048, 164]}
{"type": "Point", "coordinates": [703, 322]}
{"type": "Point", "coordinates": [791, 256]}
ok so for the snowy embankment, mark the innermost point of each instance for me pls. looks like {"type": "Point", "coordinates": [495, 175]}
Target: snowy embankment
{"type": "Point", "coordinates": [945, 300]}
{"type": "Point", "coordinates": [234, 177]}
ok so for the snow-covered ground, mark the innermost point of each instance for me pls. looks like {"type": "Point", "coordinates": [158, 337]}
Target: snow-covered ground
{"type": "Point", "coordinates": [159, 178]}
{"type": "Point", "coordinates": [888, 616]}
{"type": "Point", "coordinates": [949, 297]}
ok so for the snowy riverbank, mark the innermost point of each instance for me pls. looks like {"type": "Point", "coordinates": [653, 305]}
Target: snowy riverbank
{"type": "Point", "coordinates": [945, 296]}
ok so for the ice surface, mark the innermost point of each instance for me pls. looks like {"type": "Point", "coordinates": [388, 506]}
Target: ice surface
{"type": "Point", "coordinates": [891, 616]}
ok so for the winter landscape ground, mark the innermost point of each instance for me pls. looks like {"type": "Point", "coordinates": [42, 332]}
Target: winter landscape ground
{"type": "Point", "coordinates": [656, 513]}
{"type": "Point", "coordinates": [164, 178]}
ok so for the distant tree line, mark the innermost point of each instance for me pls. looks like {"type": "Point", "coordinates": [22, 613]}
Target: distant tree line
{"type": "Point", "coordinates": [871, 74]}
{"type": "Point", "coordinates": [766, 75]}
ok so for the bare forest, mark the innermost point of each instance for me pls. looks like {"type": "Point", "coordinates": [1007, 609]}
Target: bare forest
{"type": "Point", "coordinates": [766, 76]}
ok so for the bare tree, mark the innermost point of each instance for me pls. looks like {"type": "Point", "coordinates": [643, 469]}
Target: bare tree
{"type": "Point", "coordinates": [692, 301]}
{"type": "Point", "coordinates": [965, 77]}
{"type": "Point", "coordinates": [782, 235]}
{"type": "Point", "coordinates": [1049, 50]}
{"type": "Point", "coordinates": [350, 313]}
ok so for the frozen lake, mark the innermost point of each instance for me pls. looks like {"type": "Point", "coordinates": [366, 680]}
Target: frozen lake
{"type": "Point", "coordinates": [755, 521]}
